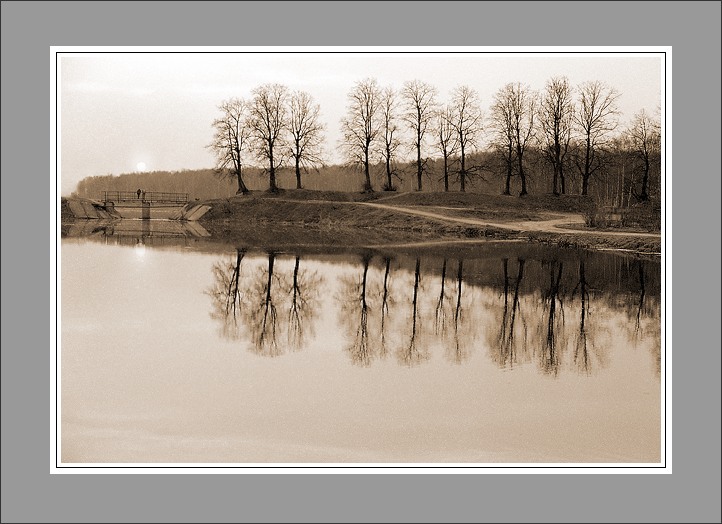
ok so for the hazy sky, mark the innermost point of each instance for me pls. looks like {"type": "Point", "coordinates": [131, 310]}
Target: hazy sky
{"type": "Point", "coordinates": [124, 111]}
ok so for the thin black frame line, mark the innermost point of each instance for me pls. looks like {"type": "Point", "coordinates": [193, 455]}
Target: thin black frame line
{"type": "Point", "coordinates": [315, 52]}
{"type": "Point", "coordinates": [663, 464]}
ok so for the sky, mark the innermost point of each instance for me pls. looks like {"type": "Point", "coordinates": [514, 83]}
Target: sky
{"type": "Point", "coordinates": [146, 111]}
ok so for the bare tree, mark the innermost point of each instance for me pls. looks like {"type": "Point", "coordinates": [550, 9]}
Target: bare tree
{"type": "Point", "coordinates": [446, 139]}
{"type": "Point", "coordinates": [645, 140]}
{"type": "Point", "coordinates": [467, 125]}
{"type": "Point", "coordinates": [524, 102]}
{"type": "Point", "coordinates": [502, 124]}
{"type": "Point", "coordinates": [388, 107]}
{"type": "Point", "coordinates": [419, 104]}
{"type": "Point", "coordinates": [306, 133]}
{"type": "Point", "coordinates": [361, 126]}
{"type": "Point", "coordinates": [556, 118]}
{"type": "Point", "coordinates": [231, 140]}
{"type": "Point", "coordinates": [269, 122]}
{"type": "Point", "coordinates": [595, 119]}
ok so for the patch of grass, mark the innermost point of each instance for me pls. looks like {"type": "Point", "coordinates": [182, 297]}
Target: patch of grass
{"type": "Point", "coordinates": [645, 217]}
{"type": "Point", "coordinates": [505, 203]}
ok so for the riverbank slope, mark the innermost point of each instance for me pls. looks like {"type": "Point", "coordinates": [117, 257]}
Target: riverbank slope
{"type": "Point", "coordinates": [372, 219]}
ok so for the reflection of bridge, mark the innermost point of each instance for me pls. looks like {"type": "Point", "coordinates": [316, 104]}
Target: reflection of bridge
{"type": "Point", "coordinates": [144, 200]}
{"type": "Point", "coordinates": [132, 232]}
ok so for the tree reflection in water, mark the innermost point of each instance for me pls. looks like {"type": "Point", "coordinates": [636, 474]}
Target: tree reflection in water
{"type": "Point", "coordinates": [550, 357]}
{"type": "Point", "coordinates": [583, 342]}
{"type": "Point", "coordinates": [261, 315]}
{"type": "Point", "coordinates": [304, 307]}
{"type": "Point", "coordinates": [259, 302]}
{"type": "Point", "coordinates": [354, 312]}
{"type": "Point", "coordinates": [227, 294]}
{"type": "Point", "coordinates": [414, 353]}
{"type": "Point", "coordinates": [644, 316]}
{"type": "Point", "coordinates": [386, 302]}
{"type": "Point", "coordinates": [506, 349]}
{"type": "Point", "coordinates": [247, 304]}
{"type": "Point", "coordinates": [440, 315]}
{"type": "Point", "coordinates": [449, 313]}
{"type": "Point", "coordinates": [459, 351]}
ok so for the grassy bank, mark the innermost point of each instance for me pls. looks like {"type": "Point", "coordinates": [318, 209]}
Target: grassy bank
{"type": "Point", "coordinates": [257, 221]}
{"type": "Point", "coordinates": [314, 218]}
{"type": "Point", "coordinates": [341, 219]}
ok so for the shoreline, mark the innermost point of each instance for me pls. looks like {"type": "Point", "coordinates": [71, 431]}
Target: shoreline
{"type": "Point", "coordinates": [362, 220]}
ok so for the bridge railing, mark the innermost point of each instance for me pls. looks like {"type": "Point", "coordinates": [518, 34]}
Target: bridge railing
{"type": "Point", "coordinates": [161, 197]}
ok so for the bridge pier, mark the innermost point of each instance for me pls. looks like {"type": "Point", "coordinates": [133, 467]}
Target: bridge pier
{"type": "Point", "coordinates": [145, 210]}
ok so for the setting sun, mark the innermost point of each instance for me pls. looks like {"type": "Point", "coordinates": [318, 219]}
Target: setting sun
{"type": "Point", "coordinates": [140, 166]}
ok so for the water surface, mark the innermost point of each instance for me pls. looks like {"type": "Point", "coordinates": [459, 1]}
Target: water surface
{"type": "Point", "coordinates": [178, 349]}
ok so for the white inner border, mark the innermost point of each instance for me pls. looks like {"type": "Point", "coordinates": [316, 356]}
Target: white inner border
{"type": "Point", "coordinates": [665, 466]}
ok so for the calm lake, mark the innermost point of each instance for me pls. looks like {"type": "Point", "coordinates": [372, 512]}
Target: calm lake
{"type": "Point", "coordinates": [178, 348]}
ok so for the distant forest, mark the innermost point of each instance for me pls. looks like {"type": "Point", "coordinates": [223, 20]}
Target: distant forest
{"type": "Point", "coordinates": [614, 187]}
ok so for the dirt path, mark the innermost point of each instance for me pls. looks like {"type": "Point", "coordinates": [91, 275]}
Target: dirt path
{"type": "Point", "coordinates": [574, 222]}
{"type": "Point", "coordinates": [550, 225]}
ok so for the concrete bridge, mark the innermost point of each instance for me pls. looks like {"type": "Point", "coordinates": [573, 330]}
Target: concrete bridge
{"type": "Point", "coordinates": [137, 204]}
{"type": "Point", "coordinates": [144, 200]}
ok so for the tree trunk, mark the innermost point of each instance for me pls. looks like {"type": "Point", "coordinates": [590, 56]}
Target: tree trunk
{"type": "Point", "coordinates": [446, 172]}
{"type": "Point", "coordinates": [462, 173]}
{"type": "Point", "coordinates": [298, 174]}
{"type": "Point", "coordinates": [522, 175]}
{"type": "Point", "coordinates": [242, 189]}
{"type": "Point", "coordinates": [645, 182]}
{"type": "Point", "coordinates": [557, 164]}
{"type": "Point", "coordinates": [367, 185]}
{"type": "Point", "coordinates": [586, 174]}
{"type": "Point", "coordinates": [507, 187]}
{"type": "Point", "coordinates": [389, 185]}
{"type": "Point", "coordinates": [418, 165]}
{"type": "Point", "coordinates": [272, 174]}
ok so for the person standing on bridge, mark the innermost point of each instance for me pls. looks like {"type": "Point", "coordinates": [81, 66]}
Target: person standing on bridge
{"type": "Point", "coordinates": [139, 192]}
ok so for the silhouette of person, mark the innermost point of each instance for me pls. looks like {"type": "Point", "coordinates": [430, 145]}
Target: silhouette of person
{"type": "Point", "coordinates": [139, 192]}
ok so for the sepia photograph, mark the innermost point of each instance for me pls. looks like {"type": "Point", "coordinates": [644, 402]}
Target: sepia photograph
{"type": "Point", "coordinates": [360, 258]}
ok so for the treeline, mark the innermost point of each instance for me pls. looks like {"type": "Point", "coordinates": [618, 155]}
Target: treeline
{"type": "Point", "coordinates": [614, 187]}
{"type": "Point", "coordinates": [563, 140]}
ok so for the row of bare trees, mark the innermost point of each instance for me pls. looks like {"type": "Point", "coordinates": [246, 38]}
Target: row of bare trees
{"type": "Point", "coordinates": [274, 126]}
{"type": "Point", "coordinates": [571, 128]}
{"type": "Point", "coordinates": [377, 116]}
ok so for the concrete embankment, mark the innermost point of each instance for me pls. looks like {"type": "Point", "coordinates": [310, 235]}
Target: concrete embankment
{"type": "Point", "coordinates": [83, 208]}
{"type": "Point", "coordinates": [86, 209]}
